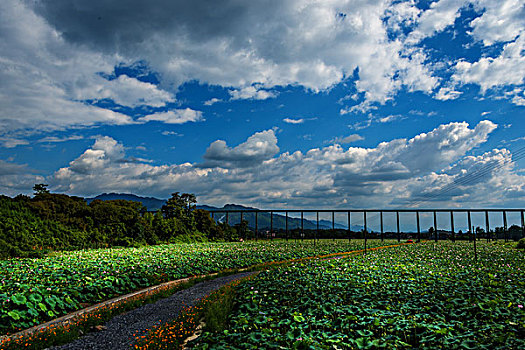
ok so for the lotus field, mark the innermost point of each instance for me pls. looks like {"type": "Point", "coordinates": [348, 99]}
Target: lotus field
{"type": "Point", "coordinates": [425, 296]}
{"type": "Point", "coordinates": [33, 291]}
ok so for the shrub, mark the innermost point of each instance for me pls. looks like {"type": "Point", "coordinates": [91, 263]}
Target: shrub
{"type": "Point", "coordinates": [521, 244]}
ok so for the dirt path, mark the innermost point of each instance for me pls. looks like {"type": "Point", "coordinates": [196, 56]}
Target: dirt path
{"type": "Point", "coordinates": [118, 332]}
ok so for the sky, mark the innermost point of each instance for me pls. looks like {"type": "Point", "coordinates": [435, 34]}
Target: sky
{"type": "Point", "coordinates": [267, 103]}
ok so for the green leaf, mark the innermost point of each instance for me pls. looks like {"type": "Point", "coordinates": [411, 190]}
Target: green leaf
{"type": "Point", "coordinates": [15, 315]}
{"type": "Point", "coordinates": [19, 299]}
{"type": "Point", "coordinates": [35, 298]}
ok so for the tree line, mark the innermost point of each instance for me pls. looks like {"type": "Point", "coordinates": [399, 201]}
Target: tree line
{"type": "Point", "coordinates": [34, 226]}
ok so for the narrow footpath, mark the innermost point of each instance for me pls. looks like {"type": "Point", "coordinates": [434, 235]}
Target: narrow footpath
{"type": "Point", "coordinates": [118, 332]}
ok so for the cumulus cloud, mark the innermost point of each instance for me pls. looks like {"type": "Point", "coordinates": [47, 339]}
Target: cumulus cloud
{"type": "Point", "coordinates": [259, 147]}
{"type": "Point", "coordinates": [394, 172]}
{"type": "Point", "coordinates": [506, 69]}
{"type": "Point", "coordinates": [501, 21]}
{"type": "Point", "coordinates": [176, 116]}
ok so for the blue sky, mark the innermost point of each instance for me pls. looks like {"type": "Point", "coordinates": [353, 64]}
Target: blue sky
{"type": "Point", "coordinates": [273, 104]}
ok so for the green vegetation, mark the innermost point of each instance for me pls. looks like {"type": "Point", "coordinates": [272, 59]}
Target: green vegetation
{"type": "Point", "coordinates": [424, 296]}
{"type": "Point", "coordinates": [33, 291]}
{"type": "Point", "coordinates": [32, 227]}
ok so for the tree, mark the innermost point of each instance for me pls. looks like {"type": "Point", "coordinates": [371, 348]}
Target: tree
{"type": "Point", "coordinates": [40, 189]}
{"type": "Point", "coordinates": [180, 207]}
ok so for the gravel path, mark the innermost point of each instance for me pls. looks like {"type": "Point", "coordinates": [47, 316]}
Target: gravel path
{"type": "Point", "coordinates": [119, 330]}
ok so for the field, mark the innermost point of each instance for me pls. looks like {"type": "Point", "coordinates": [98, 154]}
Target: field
{"type": "Point", "coordinates": [33, 291]}
{"type": "Point", "coordinates": [425, 296]}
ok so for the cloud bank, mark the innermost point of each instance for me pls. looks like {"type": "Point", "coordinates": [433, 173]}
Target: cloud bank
{"type": "Point", "coordinates": [394, 173]}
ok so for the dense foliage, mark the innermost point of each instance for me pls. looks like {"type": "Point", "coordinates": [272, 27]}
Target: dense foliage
{"type": "Point", "coordinates": [424, 296]}
{"type": "Point", "coordinates": [36, 290]}
{"type": "Point", "coordinates": [31, 227]}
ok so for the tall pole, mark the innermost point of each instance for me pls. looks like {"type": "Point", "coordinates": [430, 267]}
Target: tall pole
{"type": "Point", "coordinates": [470, 225]}
{"type": "Point", "coordinates": [452, 226]}
{"type": "Point", "coordinates": [435, 227]}
{"type": "Point", "coordinates": [418, 227]}
{"type": "Point", "coordinates": [364, 220]}
{"type": "Point", "coordinates": [317, 230]}
{"type": "Point", "coordinates": [398, 231]}
{"type": "Point", "coordinates": [487, 224]}
{"type": "Point", "coordinates": [302, 226]}
{"type": "Point", "coordinates": [256, 227]}
{"type": "Point", "coordinates": [350, 229]}
{"type": "Point", "coordinates": [227, 218]}
{"type": "Point", "coordinates": [333, 226]}
{"type": "Point", "coordinates": [286, 225]}
{"type": "Point", "coordinates": [505, 234]}
{"type": "Point", "coordinates": [382, 232]}
{"type": "Point", "coordinates": [474, 235]}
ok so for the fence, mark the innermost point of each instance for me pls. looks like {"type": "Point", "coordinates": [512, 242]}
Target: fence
{"type": "Point", "coordinates": [452, 234]}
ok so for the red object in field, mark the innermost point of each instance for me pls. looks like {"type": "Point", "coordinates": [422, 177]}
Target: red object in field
{"type": "Point", "coordinates": [410, 241]}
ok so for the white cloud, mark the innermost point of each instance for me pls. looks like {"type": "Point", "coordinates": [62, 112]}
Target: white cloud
{"type": "Point", "coordinates": [488, 72]}
{"type": "Point", "coordinates": [124, 91]}
{"type": "Point", "coordinates": [439, 16]}
{"type": "Point", "coordinates": [212, 101]}
{"type": "Point", "coordinates": [252, 93]}
{"type": "Point", "coordinates": [177, 116]}
{"type": "Point", "coordinates": [54, 139]}
{"type": "Point", "coordinates": [447, 93]}
{"type": "Point", "coordinates": [259, 147]}
{"type": "Point", "coordinates": [171, 133]}
{"type": "Point", "coordinates": [320, 43]}
{"type": "Point", "coordinates": [293, 121]}
{"type": "Point", "coordinates": [40, 74]}
{"type": "Point", "coordinates": [391, 118]}
{"type": "Point", "coordinates": [253, 174]}
{"type": "Point", "coordinates": [501, 21]}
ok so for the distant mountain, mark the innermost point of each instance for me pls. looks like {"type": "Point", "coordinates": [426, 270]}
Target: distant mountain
{"type": "Point", "coordinates": [149, 202]}
{"type": "Point", "coordinates": [263, 219]}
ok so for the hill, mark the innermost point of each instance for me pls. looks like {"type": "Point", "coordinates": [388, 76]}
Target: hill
{"type": "Point", "coordinates": [150, 203]}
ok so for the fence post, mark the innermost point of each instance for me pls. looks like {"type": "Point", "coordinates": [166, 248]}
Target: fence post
{"type": "Point", "coordinates": [333, 226]}
{"type": "Point", "coordinates": [317, 230]}
{"type": "Point", "coordinates": [350, 226]}
{"type": "Point", "coordinates": [381, 219]}
{"type": "Point", "coordinates": [302, 227]}
{"type": "Point", "coordinates": [470, 225]}
{"type": "Point", "coordinates": [487, 225]}
{"type": "Point", "coordinates": [364, 232]}
{"type": "Point", "coordinates": [398, 232]}
{"type": "Point", "coordinates": [286, 226]}
{"type": "Point", "coordinates": [505, 234]}
{"type": "Point", "coordinates": [452, 226]}
{"type": "Point", "coordinates": [418, 227]}
{"type": "Point", "coordinates": [256, 228]}
{"type": "Point", "coordinates": [435, 227]}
